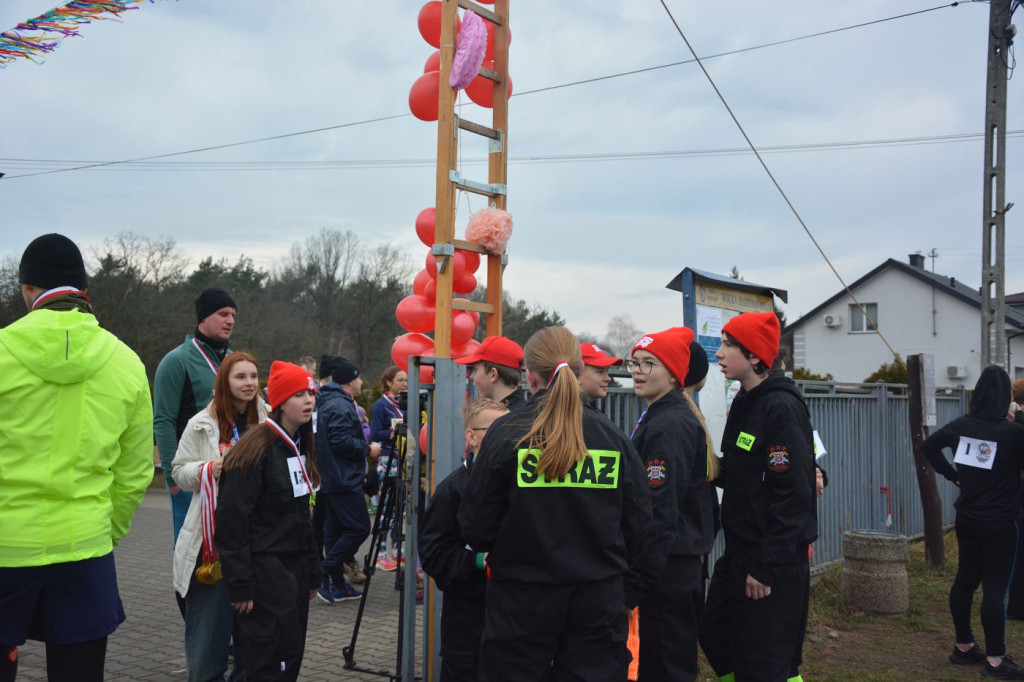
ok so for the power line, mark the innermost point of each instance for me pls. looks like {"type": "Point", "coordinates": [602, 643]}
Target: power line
{"type": "Point", "coordinates": [346, 164]}
{"type": "Point", "coordinates": [775, 182]}
{"type": "Point", "coordinates": [518, 94]}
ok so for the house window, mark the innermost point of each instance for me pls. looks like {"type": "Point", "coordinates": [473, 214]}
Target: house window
{"type": "Point", "coordinates": [858, 323]}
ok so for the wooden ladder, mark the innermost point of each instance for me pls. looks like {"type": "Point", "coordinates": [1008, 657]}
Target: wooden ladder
{"type": "Point", "coordinates": [450, 178]}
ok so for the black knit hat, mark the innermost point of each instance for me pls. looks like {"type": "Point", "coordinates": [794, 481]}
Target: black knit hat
{"type": "Point", "coordinates": [698, 365]}
{"type": "Point", "coordinates": [212, 300]}
{"type": "Point", "coordinates": [327, 364]}
{"type": "Point", "coordinates": [343, 371]}
{"type": "Point", "coordinates": [52, 261]}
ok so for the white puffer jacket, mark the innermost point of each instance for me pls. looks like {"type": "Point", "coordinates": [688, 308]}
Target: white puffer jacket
{"type": "Point", "coordinates": [200, 442]}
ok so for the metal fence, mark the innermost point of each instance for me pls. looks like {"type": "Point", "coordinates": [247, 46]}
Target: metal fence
{"type": "Point", "coordinates": [870, 461]}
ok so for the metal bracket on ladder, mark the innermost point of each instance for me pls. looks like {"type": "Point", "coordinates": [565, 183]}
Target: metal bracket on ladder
{"type": "Point", "coordinates": [488, 189]}
{"type": "Point", "coordinates": [446, 251]}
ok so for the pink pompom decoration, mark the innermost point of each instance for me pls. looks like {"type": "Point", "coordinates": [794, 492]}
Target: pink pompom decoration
{"type": "Point", "coordinates": [469, 51]}
{"type": "Point", "coordinates": [491, 228]}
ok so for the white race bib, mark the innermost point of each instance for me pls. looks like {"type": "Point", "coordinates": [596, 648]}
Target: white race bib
{"type": "Point", "coordinates": [819, 447]}
{"type": "Point", "coordinates": [975, 453]}
{"type": "Point", "coordinates": [299, 487]}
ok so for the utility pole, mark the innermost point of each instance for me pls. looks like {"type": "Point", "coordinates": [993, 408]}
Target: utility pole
{"type": "Point", "coordinates": [993, 293]}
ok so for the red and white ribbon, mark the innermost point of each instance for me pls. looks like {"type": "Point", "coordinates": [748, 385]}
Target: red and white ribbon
{"type": "Point", "coordinates": [209, 362]}
{"type": "Point", "coordinates": [295, 448]}
{"type": "Point", "coordinates": [208, 508]}
{"type": "Point", "coordinates": [53, 293]}
{"type": "Point", "coordinates": [554, 372]}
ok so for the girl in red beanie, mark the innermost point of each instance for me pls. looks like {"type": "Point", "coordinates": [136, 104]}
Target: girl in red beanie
{"type": "Point", "coordinates": [673, 448]}
{"type": "Point", "coordinates": [756, 611]}
{"type": "Point", "coordinates": [264, 528]}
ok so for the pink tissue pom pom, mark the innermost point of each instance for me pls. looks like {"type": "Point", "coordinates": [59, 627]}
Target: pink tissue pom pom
{"type": "Point", "coordinates": [491, 228]}
{"type": "Point", "coordinates": [469, 53]}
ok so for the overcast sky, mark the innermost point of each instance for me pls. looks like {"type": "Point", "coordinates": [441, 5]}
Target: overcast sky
{"type": "Point", "coordinates": [593, 238]}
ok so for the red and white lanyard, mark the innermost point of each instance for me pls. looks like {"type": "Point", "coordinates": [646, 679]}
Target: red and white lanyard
{"type": "Point", "coordinates": [394, 403]}
{"type": "Point", "coordinates": [53, 293]}
{"type": "Point", "coordinates": [209, 362]}
{"type": "Point", "coordinates": [208, 508]}
{"type": "Point", "coordinates": [295, 448]}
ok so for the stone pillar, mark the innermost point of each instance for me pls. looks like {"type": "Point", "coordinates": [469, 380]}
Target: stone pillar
{"type": "Point", "coordinates": [874, 577]}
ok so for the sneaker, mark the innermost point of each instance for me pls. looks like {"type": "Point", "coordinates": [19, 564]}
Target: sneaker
{"type": "Point", "coordinates": [1007, 670]}
{"type": "Point", "coordinates": [386, 563]}
{"type": "Point", "coordinates": [345, 593]}
{"type": "Point", "coordinates": [969, 657]}
{"type": "Point", "coordinates": [354, 573]}
{"type": "Point", "coordinates": [326, 595]}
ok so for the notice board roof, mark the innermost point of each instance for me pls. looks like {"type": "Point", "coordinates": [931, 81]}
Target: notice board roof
{"type": "Point", "coordinates": [723, 280]}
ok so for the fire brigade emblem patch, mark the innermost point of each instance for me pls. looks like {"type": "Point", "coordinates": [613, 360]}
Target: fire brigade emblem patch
{"type": "Point", "coordinates": [778, 458]}
{"type": "Point", "coordinates": [657, 474]}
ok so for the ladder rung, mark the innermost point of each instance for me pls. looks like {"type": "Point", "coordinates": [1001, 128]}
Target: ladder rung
{"type": "Point", "coordinates": [463, 245]}
{"type": "Point", "coordinates": [486, 189]}
{"type": "Point", "coordinates": [473, 305]}
{"type": "Point", "coordinates": [487, 14]}
{"type": "Point", "coordinates": [472, 127]}
{"type": "Point", "coordinates": [489, 74]}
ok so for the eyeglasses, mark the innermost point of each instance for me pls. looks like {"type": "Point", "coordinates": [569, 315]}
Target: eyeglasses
{"type": "Point", "coordinates": [478, 428]}
{"type": "Point", "coordinates": [641, 366]}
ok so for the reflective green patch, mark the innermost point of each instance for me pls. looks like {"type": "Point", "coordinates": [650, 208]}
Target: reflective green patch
{"type": "Point", "coordinates": [745, 441]}
{"type": "Point", "coordinates": [599, 470]}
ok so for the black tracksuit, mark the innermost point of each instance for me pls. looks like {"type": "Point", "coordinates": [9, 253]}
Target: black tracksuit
{"type": "Point", "coordinates": [455, 569]}
{"type": "Point", "coordinates": [989, 456]}
{"type": "Point", "coordinates": [558, 552]}
{"type": "Point", "coordinates": [769, 518]}
{"type": "Point", "coordinates": [673, 449]}
{"type": "Point", "coordinates": [269, 555]}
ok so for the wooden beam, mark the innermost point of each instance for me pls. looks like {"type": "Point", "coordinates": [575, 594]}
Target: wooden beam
{"type": "Point", "coordinates": [483, 131]}
{"type": "Point", "coordinates": [487, 14]}
{"type": "Point", "coordinates": [474, 306]}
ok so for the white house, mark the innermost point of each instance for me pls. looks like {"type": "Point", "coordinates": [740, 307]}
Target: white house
{"type": "Point", "coordinates": [917, 311]}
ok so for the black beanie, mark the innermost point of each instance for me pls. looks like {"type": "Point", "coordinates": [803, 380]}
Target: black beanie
{"type": "Point", "coordinates": [212, 300]}
{"type": "Point", "coordinates": [327, 364]}
{"type": "Point", "coordinates": [698, 365]}
{"type": "Point", "coordinates": [343, 371]}
{"type": "Point", "coordinates": [52, 261]}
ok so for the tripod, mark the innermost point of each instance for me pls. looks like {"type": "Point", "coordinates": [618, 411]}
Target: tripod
{"type": "Point", "coordinates": [391, 506]}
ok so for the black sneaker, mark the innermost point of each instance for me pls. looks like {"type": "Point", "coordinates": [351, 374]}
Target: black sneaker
{"type": "Point", "coordinates": [1007, 670]}
{"type": "Point", "coordinates": [969, 657]}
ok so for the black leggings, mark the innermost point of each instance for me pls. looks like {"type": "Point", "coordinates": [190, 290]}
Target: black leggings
{"type": "Point", "coordinates": [64, 662]}
{"type": "Point", "coordinates": [988, 551]}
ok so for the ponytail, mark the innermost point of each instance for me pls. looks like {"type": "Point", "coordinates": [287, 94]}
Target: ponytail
{"type": "Point", "coordinates": [712, 458]}
{"type": "Point", "coordinates": [557, 430]}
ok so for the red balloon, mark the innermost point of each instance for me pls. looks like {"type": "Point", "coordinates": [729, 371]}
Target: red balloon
{"type": "Point", "coordinates": [472, 261]}
{"type": "Point", "coordinates": [418, 284]}
{"type": "Point", "coordinates": [481, 90]}
{"type": "Point", "coordinates": [429, 22]}
{"type": "Point", "coordinates": [423, 96]}
{"type": "Point", "coordinates": [425, 225]}
{"type": "Point", "coordinates": [433, 62]}
{"type": "Point", "coordinates": [415, 314]}
{"type": "Point", "coordinates": [475, 314]}
{"type": "Point", "coordinates": [463, 327]}
{"type": "Point", "coordinates": [458, 263]}
{"type": "Point", "coordinates": [465, 349]}
{"type": "Point", "coordinates": [489, 50]}
{"type": "Point", "coordinates": [465, 284]}
{"type": "Point", "coordinates": [427, 371]}
{"type": "Point", "coordinates": [410, 344]}
{"type": "Point", "coordinates": [430, 290]}
{"type": "Point", "coordinates": [424, 432]}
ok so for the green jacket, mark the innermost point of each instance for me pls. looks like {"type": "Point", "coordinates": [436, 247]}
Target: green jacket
{"type": "Point", "coordinates": [76, 438]}
{"type": "Point", "coordinates": [183, 385]}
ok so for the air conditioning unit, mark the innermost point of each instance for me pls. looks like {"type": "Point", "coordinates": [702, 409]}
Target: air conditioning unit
{"type": "Point", "coordinates": [956, 372]}
{"type": "Point", "coordinates": [833, 321]}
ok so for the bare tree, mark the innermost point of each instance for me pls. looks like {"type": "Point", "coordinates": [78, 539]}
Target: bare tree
{"type": "Point", "coordinates": [141, 258]}
{"type": "Point", "coordinates": [621, 336]}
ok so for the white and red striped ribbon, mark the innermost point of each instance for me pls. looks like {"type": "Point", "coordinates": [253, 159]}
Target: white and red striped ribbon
{"type": "Point", "coordinates": [209, 362]}
{"type": "Point", "coordinates": [53, 293]}
{"type": "Point", "coordinates": [208, 507]}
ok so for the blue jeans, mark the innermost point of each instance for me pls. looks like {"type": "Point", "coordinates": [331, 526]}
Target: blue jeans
{"type": "Point", "coordinates": [209, 626]}
{"type": "Point", "coordinates": [179, 507]}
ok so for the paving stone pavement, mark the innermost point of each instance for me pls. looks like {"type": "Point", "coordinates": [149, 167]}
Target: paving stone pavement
{"type": "Point", "coordinates": [149, 645]}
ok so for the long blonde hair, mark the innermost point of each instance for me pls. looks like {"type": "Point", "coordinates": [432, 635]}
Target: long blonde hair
{"type": "Point", "coordinates": [557, 430]}
{"type": "Point", "coordinates": [712, 458]}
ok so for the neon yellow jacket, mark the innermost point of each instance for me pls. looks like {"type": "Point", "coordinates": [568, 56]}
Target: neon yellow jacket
{"type": "Point", "coordinates": [76, 438]}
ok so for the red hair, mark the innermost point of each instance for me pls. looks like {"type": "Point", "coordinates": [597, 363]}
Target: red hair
{"type": "Point", "coordinates": [222, 406]}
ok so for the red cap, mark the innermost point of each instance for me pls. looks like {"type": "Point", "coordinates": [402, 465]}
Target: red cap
{"type": "Point", "coordinates": [285, 381]}
{"type": "Point", "coordinates": [757, 332]}
{"type": "Point", "coordinates": [595, 356]}
{"type": "Point", "coordinates": [496, 350]}
{"type": "Point", "coordinates": [672, 347]}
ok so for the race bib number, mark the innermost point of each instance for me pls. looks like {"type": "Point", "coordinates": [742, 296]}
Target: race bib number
{"type": "Point", "coordinates": [299, 487]}
{"type": "Point", "coordinates": [819, 447]}
{"type": "Point", "coordinates": [975, 453]}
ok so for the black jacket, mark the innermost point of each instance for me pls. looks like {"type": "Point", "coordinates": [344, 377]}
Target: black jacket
{"type": "Point", "coordinates": [515, 400]}
{"type": "Point", "coordinates": [443, 550]}
{"type": "Point", "coordinates": [769, 506]}
{"type": "Point", "coordinates": [588, 526]}
{"type": "Point", "coordinates": [341, 447]}
{"type": "Point", "coordinates": [988, 452]}
{"type": "Point", "coordinates": [257, 512]}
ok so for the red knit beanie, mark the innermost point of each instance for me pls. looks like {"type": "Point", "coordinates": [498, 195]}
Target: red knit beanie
{"type": "Point", "coordinates": [285, 381]}
{"type": "Point", "coordinates": [757, 332]}
{"type": "Point", "coordinates": [672, 347]}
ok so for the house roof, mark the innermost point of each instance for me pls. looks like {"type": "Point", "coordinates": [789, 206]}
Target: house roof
{"type": "Point", "coordinates": [701, 275]}
{"type": "Point", "coordinates": [948, 285]}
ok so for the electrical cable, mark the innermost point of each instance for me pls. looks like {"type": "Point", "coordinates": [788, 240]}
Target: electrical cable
{"type": "Point", "coordinates": [775, 182]}
{"type": "Point", "coordinates": [518, 94]}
